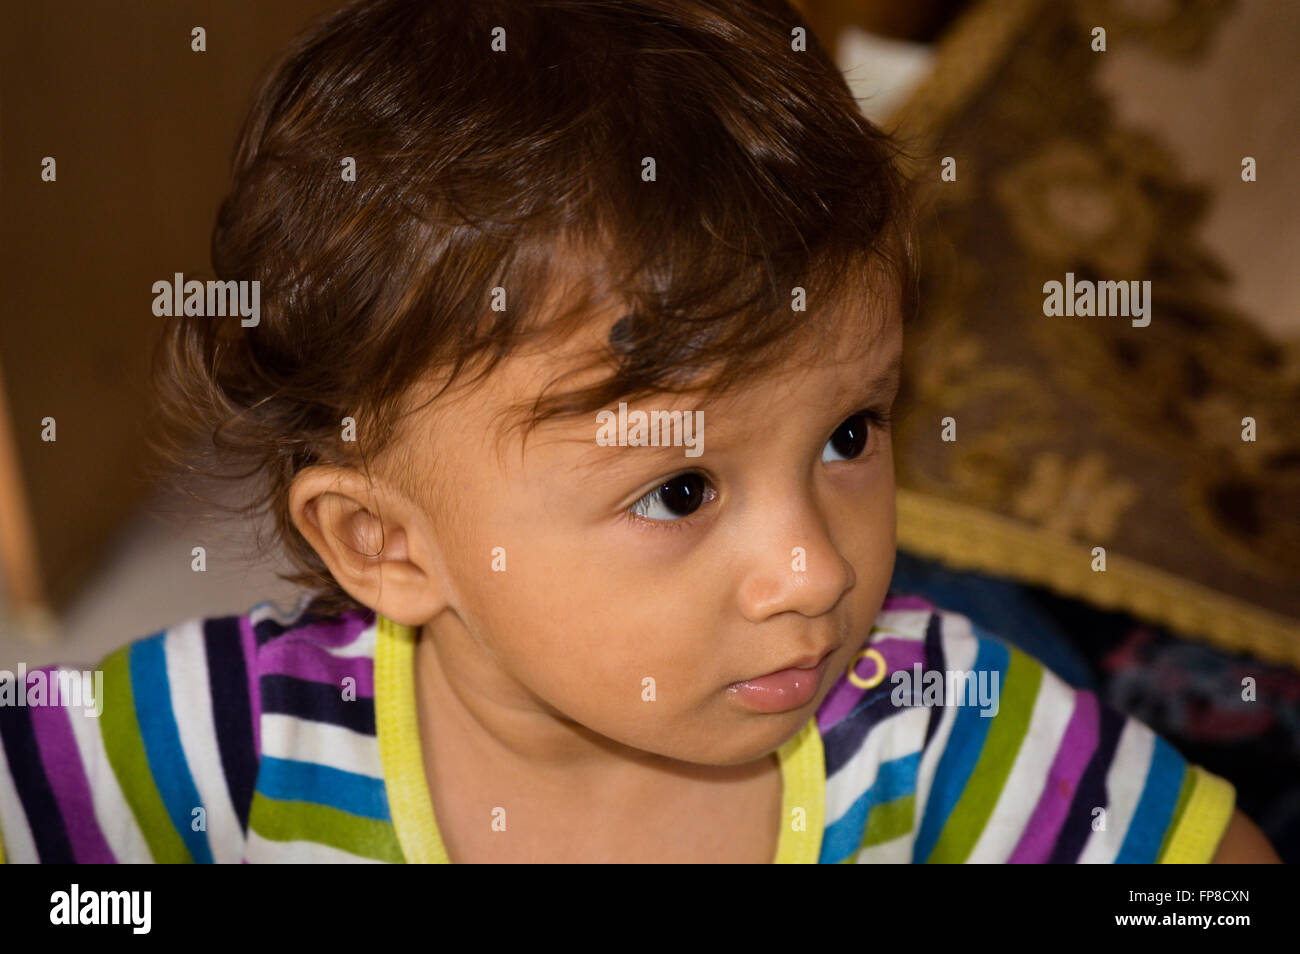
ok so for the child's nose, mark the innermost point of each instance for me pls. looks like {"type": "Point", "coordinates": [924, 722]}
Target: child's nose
{"type": "Point", "coordinates": [799, 571]}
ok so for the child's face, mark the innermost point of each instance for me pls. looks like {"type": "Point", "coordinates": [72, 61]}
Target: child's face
{"type": "Point", "coordinates": [786, 559]}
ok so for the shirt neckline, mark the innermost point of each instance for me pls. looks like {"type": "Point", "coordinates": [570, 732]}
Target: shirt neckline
{"type": "Point", "coordinates": [803, 777]}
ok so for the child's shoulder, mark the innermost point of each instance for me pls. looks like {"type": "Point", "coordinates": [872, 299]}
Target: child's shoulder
{"type": "Point", "coordinates": [349, 632]}
{"type": "Point", "coordinates": [311, 667]}
{"type": "Point", "coordinates": [945, 742]}
{"type": "Point", "coordinates": [265, 658]}
{"type": "Point", "coordinates": [265, 631]}
{"type": "Point", "coordinates": [301, 642]}
{"type": "Point", "coordinates": [117, 762]}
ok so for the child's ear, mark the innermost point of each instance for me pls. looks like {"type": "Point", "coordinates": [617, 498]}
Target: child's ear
{"type": "Point", "coordinates": [374, 540]}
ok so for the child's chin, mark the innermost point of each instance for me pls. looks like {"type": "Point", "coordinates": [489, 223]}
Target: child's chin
{"type": "Point", "coordinates": [759, 739]}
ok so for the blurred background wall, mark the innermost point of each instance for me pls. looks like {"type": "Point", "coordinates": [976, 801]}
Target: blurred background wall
{"type": "Point", "coordinates": [141, 128]}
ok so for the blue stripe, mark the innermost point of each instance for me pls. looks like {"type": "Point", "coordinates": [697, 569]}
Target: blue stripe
{"type": "Point", "coordinates": [162, 743]}
{"type": "Point", "coordinates": [965, 743]}
{"type": "Point", "coordinates": [1155, 808]}
{"type": "Point", "coordinates": [894, 779]}
{"type": "Point", "coordinates": [289, 780]}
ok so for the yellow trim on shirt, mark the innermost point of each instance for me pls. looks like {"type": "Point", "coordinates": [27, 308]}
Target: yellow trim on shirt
{"type": "Point", "coordinates": [1205, 818]}
{"type": "Point", "coordinates": [803, 777]}
{"type": "Point", "coordinates": [803, 790]}
{"type": "Point", "coordinates": [398, 730]}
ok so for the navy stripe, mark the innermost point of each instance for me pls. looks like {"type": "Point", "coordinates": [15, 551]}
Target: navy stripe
{"type": "Point", "coordinates": [232, 711]}
{"type": "Point", "coordinates": [934, 660]}
{"type": "Point", "coordinates": [1091, 793]}
{"type": "Point", "coordinates": [317, 701]}
{"type": "Point", "coordinates": [843, 740]}
{"type": "Point", "coordinates": [268, 629]}
{"type": "Point", "coordinates": [265, 630]}
{"type": "Point", "coordinates": [18, 740]}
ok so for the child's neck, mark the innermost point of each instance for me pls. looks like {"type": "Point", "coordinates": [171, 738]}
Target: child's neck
{"type": "Point", "coordinates": [495, 757]}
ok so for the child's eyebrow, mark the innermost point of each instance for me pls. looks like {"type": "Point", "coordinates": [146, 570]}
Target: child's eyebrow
{"type": "Point", "coordinates": [593, 463]}
{"type": "Point", "coordinates": [594, 457]}
{"type": "Point", "coordinates": [885, 384]}
{"type": "Point", "coordinates": [877, 389]}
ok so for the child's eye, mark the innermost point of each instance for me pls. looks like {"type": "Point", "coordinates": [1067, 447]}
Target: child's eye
{"type": "Point", "coordinates": [678, 497]}
{"type": "Point", "coordinates": [849, 439]}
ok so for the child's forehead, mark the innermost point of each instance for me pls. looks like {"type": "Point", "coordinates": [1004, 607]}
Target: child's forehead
{"type": "Point", "coordinates": [824, 370]}
{"type": "Point", "coordinates": [858, 343]}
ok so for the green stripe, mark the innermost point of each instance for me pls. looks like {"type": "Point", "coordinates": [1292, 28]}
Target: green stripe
{"type": "Point", "coordinates": [889, 821]}
{"type": "Point", "coordinates": [1184, 795]}
{"type": "Point", "coordinates": [1017, 693]}
{"type": "Point", "coordinates": [277, 820]}
{"type": "Point", "coordinates": [120, 728]}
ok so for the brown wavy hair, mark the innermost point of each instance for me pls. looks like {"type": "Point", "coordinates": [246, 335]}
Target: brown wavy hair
{"type": "Point", "coordinates": [518, 168]}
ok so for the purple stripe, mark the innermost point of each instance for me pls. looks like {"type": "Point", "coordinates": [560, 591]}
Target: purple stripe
{"type": "Point", "coordinates": [248, 643]}
{"type": "Point", "coordinates": [302, 660]}
{"type": "Point", "coordinates": [335, 632]}
{"type": "Point", "coordinates": [898, 601]}
{"type": "Point", "coordinates": [898, 653]}
{"type": "Point", "coordinates": [1077, 746]}
{"type": "Point", "coordinates": [67, 775]}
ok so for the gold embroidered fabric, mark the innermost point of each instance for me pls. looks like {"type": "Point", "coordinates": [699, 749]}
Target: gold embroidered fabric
{"type": "Point", "coordinates": [1073, 433]}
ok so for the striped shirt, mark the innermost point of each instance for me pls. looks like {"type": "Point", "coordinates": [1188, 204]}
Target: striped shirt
{"type": "Point", "coordinates": [273, 737]}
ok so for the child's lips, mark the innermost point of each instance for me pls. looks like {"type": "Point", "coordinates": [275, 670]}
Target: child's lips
{"type": "Point", "coordinates": [782, 690]}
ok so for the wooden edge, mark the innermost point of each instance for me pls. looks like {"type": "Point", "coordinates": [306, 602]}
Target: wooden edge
{"type": "Point", "coordinates": [965, 58]}
{"type": "Point", "coordinates": [26, 607]}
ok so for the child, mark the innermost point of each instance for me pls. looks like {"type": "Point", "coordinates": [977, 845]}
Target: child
{"type": "Point", "coordinates": [579, 328]}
